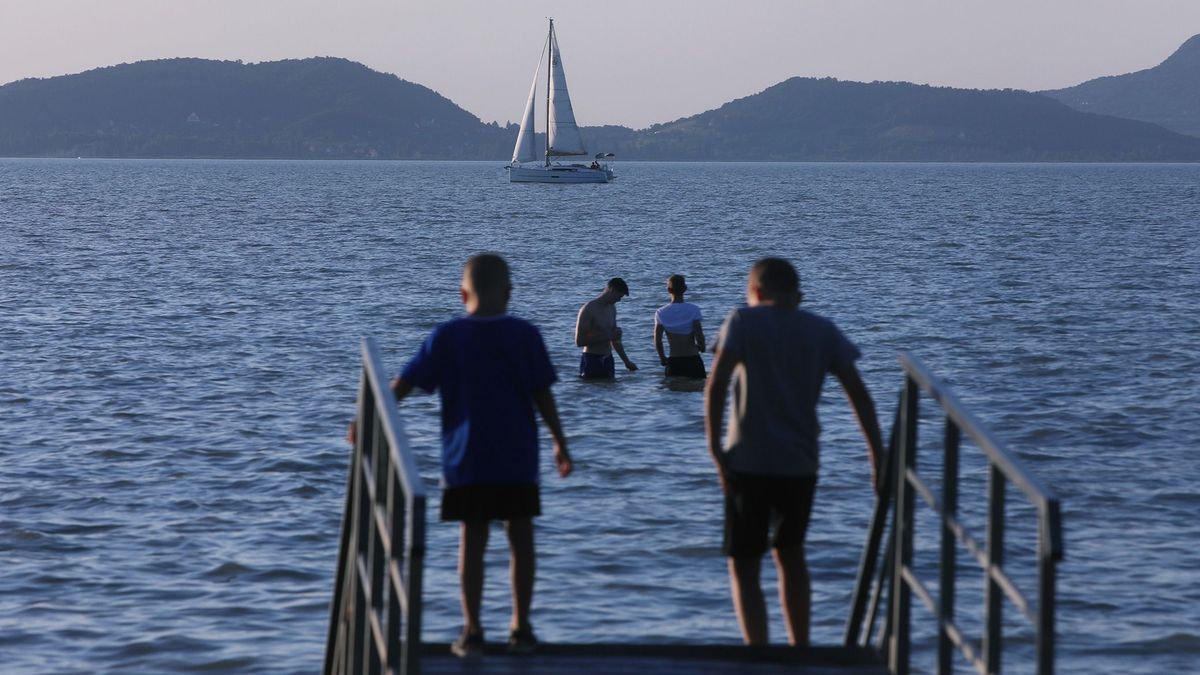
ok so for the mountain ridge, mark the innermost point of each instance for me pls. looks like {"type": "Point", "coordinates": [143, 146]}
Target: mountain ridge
{"type": "Point", "coordinates": [314, 107]}
{"type": "Point", "coordinates": [1167, 94]}
{"type": "Point", "coordinates": [327, 107]}
{"type": "Point", "coordinates": [830, 119]}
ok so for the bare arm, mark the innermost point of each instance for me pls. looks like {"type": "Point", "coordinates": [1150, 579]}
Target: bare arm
{"type": "Point", "coordinates": [544, 400]}
{"type": "Point", "coordinates": [620, 350]}
{"type": "Point", "coordinates": [401, 389]}
{"type": "Point", "coordinates": [658, 346]}
{"type": "Point", "coordinates": [864, 410]}
{"type": "Point", "coordinates": [582, 324]}
{"type": "Point", "coordinates": [715, 392]}
{"type": "Point", "coordinates": [698, 334]}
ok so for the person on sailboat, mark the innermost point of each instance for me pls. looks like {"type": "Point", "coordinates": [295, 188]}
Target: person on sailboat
{"type": "Point", "coordinates": [597, 333]}
{"type": "Point", "coordinates": [680, 322]}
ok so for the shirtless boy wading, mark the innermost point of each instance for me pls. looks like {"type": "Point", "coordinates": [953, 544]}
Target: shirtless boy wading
{"type": "Point", "coordinates": [596, 331]}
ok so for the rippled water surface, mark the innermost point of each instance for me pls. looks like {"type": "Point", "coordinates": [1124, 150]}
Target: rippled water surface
{"type": "Point", "coordinates": [179, 355]}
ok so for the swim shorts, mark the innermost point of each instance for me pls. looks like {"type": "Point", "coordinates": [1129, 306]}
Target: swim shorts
{"type": "Point", "coordinates": [686, 366]}
{"type": "Point", "coordinates": [757, 504]}
{"type": "Point", "coordinates": [597, 366]}
{"type": "Point", "coordinates": [491, 501]}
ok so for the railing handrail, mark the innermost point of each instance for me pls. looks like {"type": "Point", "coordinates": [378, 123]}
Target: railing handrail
{"type": "Point", "coordinates": [375, 616]}
{"type": "Point", "coordinates": [997, 453]}
{"type": "Point", "coordinates": [386, 408]}
{"type": "Point", "coordinates": [897, 494]}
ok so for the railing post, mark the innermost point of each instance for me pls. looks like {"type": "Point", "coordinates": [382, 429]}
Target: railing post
{"type": "Point", "coordinates": [864, 602]}
{"type": "Point", "coordinates": [414, 585]}
{"type": "Point", "coordinates": [949, 561]}
{"type": "Point", "coordinates": [398, 515]}
{"type": "Point", "coordinates": [882, 586]}
{"type": "Point", "coordinates": [903, 527]}
{"type": "Point", "coordinates": [336, 654]}
{"type": "Point", "coordinates": [378, 560]}
{"type": "Point", "coordinates": [359, 629]}
{"type": "Point", "coordinates": [993, 596]}
{"type": "Point", "coordinates": [377, 556]}
{"type": "Point", "coordinates": [1047, 571]}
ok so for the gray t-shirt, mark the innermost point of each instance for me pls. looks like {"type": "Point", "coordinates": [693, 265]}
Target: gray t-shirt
{"type": "Point", "coordinates": [784, 354]}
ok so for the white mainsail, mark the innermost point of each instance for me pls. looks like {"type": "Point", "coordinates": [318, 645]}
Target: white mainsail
{"type": "Point", "coordinates": [525, 150]}
{"type": "Point", "coordinates": [563, 132]}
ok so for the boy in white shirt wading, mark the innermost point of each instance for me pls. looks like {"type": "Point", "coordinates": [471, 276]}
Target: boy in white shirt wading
{"type": "Point", "coordinates": [680, 322]}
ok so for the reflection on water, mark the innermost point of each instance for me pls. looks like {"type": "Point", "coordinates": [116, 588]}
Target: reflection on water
{"type": "Point", "coordinates": [683, 385]}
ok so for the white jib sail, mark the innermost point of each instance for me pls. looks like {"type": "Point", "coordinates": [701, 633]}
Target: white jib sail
{"type": "Point", "coordinates": [525, 150]}
{"type": "Point", "coordinates": [564, 133]}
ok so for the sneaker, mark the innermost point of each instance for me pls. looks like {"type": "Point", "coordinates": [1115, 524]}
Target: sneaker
{"type": "Point", "coordinates": [522, 640]}
{"type": "Point", "coordinates": [468, 645]}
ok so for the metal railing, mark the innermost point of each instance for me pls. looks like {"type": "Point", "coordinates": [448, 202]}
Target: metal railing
{"type": "Point", "coordinates": [896, 575]}
{"type": "Point", "coordinates": [375, 616]}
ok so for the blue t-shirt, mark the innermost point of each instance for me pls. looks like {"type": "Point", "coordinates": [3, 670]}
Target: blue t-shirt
{"type": "Point", "coordinates": [486, 370]}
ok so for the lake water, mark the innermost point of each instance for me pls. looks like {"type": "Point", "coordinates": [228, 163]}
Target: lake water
{"type": "Point", "coordinates": [179, 356]}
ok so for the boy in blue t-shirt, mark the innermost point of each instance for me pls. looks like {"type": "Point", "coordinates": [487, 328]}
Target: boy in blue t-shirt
{"type": "Point", "coordinates": [491, 370]}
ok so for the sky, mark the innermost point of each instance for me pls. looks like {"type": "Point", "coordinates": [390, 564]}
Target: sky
{"type": "Point", "coordinates": [630, 62]}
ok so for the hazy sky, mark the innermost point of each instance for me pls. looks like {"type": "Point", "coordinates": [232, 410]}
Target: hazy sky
{"type": "Point", "coordinates": [632, 62]}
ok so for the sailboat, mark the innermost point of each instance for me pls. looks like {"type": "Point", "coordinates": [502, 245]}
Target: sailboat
{"type": "Point", "coordinates": [562, 134]}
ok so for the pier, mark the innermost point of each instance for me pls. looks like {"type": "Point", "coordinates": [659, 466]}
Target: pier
{"type": "Point", "coordinates": [375, 614]}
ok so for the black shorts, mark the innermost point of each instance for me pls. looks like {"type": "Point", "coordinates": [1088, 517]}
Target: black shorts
{"type": "Point", "coordinates": [686, 366]}
{"type": "Point", "coordinates": [597, 366]}
{"type": "Point", "coordinates": [491, 501]}
{"type": "Point", "coordinates": [757, 504]}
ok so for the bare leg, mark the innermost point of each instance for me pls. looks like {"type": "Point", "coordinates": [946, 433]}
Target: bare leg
{"type": "Point", "coordinates": [748, 602]}
{"type": "Point", "coordinates": [521, 568]}
{"type": "Point", "coordinates": [795, 592]}
{"type": "Point", "coordinates": [470, 571]}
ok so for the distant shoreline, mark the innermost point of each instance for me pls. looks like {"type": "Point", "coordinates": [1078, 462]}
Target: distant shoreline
{"type": "Point", "coordinates": [619, 161]}
{"type": "Point", "coordinates": [331, 108]}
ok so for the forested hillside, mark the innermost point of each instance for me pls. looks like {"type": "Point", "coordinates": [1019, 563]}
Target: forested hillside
{"type": "Point", "coordinates": [1167, 94]}
{"type": "Point", "coordinates": [333, 108]}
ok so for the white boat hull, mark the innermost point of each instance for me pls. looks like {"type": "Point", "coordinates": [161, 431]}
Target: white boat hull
{"type": "Point", "coordinates": [557, 173]}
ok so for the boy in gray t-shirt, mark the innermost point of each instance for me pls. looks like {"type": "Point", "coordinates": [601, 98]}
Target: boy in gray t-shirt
{"type": "Point", "coordinates": [776, 356]}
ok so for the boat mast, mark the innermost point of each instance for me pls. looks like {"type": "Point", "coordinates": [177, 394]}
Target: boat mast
{"type": "Point", "coordinates": [549, 77]}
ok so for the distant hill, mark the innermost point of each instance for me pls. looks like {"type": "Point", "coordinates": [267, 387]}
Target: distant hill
{"type": "Point", "coordinates": [334, 108]}
{"type": "Point", "coordinates": [1167, 94]}
{"type": "Point", "coordinates": [310, 108]}
{"type": "Point", "coordinates": [827, 119]}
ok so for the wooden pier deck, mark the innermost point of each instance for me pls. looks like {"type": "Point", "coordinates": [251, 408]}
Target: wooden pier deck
{"type": "Point", "coordinates": [632, 659]}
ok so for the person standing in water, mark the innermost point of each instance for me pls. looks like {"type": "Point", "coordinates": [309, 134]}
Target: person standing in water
{"type": "Point", "coordinates": [597, 333]}
{"type": "Point", "coordinates": [680, 321]}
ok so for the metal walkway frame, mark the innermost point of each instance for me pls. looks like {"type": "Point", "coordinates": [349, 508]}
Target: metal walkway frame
{"type": "Point", "coordinates": [375, 616]}
{"type": "Point", "coordinates": [896, 576]}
